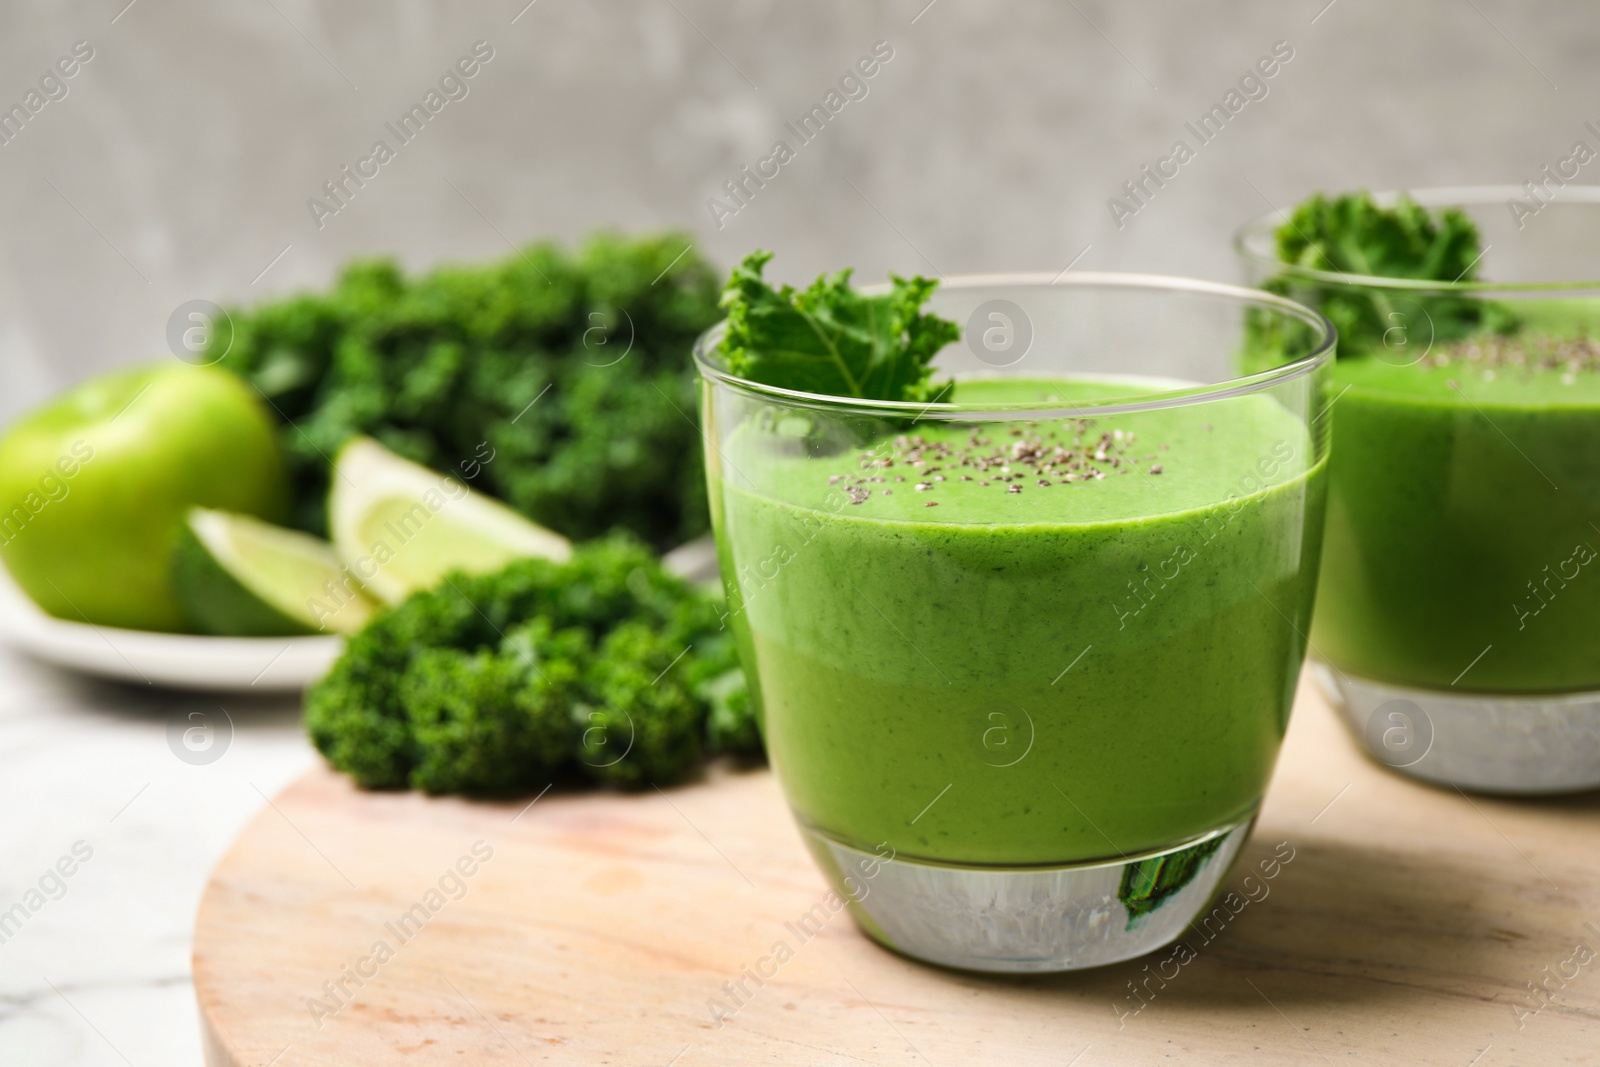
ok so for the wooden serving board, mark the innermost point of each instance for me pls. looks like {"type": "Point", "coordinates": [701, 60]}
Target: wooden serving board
{"type": "Point", "coordinates": [608, 929]}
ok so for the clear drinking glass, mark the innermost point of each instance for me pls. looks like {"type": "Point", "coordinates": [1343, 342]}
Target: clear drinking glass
{"type": "Point", "coordinates": [1024, 659]}
{"type": "Point", "coordinates": [1458, 624]}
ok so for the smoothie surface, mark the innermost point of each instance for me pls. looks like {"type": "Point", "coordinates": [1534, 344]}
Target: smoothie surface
{"type": "Point", "coordinates": [1079, 468]}
{"type": "Point", "coordinates": [1553, 361]}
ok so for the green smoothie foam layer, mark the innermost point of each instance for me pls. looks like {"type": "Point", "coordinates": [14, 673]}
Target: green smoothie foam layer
{"type": "Point", "coordinates": [1097, 667]}
{"type": "Point", "coordinates": [1464, 512]}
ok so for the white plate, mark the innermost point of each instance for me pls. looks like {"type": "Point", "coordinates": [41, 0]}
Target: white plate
{"type": "Point", "coordinates": [182, 661]}
{"type": "Point", "coordinates": [189, 661]}
{"type": "Point", "coordinates": [694, 561]}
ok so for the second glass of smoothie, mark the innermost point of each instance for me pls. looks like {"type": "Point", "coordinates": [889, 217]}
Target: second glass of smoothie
{"type": "Point", "coordinates": [1458, 624]}
{"type": "Point", "coordinates": [1025, 657]}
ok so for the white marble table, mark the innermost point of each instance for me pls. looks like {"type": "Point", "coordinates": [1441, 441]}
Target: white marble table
{"type": "Point", "coordinates": [100, 974]}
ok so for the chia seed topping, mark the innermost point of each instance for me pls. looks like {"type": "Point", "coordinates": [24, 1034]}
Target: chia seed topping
{"type": "Point", "coordinates": [1069, 453]}
{"type": "Point", "coordinates": [1526, 353]}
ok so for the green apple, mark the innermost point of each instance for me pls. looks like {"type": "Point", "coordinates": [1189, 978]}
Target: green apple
{"type": "Point", "coordinates": [94, 487]}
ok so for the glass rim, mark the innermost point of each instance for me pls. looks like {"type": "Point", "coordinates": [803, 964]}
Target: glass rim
{"type": "Point", "coordinates": [1247, 240]}
{"type": "Point", "coordinates": [1320, 354]}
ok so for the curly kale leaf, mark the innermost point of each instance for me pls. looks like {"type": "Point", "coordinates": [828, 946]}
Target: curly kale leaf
{"type": "Point", "coordinates": [1353, 234]}
{"type": "Point", "coordinates": [606, 666]}
{"type": "Point", "coordinates": [559, 383]}
{"type": "Point", "coordinates": [1147, 884]}
{"type": "Point", "coordinates": [731, 725]}
{"type": "Point", "coordinates": [641, 724]}
{"type": "Point", "coordinates": [355, 716]}
{"type": "Point", "coordinates": [494, 722]}
{"type": "Point", "coordinates": [831, 339]}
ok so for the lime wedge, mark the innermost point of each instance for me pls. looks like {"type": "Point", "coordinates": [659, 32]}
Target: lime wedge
{"type": "Point", "coordinates": [400, 527]}
{"type": "Point", "coordinates": [237, 576]}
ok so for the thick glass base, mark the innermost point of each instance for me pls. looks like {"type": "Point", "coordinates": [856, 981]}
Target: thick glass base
{"type": "Point", "coordinates": [1514, 744]}
{"type": "Point", "coordinates": [1029, 919]}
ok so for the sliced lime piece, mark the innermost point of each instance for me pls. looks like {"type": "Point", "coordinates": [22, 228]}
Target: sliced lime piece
{"type": "Point", "coordinates": [400, 527]}
{"type": "Point", "coordinates": [240, 577]}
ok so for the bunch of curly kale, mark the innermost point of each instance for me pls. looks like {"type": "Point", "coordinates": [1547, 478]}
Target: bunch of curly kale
{"type": "Point", "coordinates": [560, 383]}
{"type": "Point", "coordinates": [605, 666]}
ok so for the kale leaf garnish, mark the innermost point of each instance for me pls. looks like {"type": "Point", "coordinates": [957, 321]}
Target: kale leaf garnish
{"type": "Point", "coordinates": [1353, 234]}
{"type": "Point", "coordinates": [830, 338]}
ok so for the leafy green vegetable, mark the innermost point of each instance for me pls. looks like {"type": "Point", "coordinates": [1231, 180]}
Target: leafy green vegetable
{"type": "Point", "coordinates": [831, 339]}
{"type": "Point", "coordinates": [731, 725]}
{"type": "Point", "coordinates": [605, 666]}
{"type": "Point", "coordinates": [640, 723]}
{"type": "Point", "coordinates": [1149, 883]}
{"type": "Point", "coordinates": [560, 384]}
{"type": "Point", "coordinates": [481, 719]}
{"type": "Point", "coordinates": [1352, 234]}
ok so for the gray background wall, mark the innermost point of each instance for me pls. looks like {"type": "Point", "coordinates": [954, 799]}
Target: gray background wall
{"type": "Point", "coordinates": [179, 164]}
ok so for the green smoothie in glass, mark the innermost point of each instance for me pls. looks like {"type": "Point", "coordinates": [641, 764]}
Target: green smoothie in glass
{"type": "Point", "coordinates": [1085, 656]}
{"type": "Point", "coordinates": [1050, 622]}
{"type": "Point", "coordinates": [1464, 493]}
